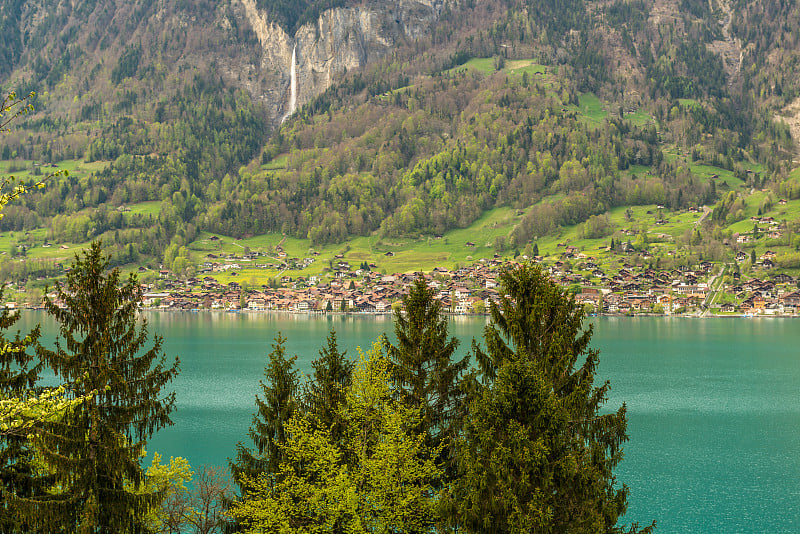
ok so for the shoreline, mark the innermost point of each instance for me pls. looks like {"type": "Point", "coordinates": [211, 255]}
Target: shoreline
{"type": "Point", "coordinates": [320, 313]}
{"type": "Point", "coordinates": [451, 314]}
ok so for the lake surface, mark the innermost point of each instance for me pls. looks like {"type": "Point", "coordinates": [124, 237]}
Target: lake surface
{"type": "Point", "coordinates": [713, 405]}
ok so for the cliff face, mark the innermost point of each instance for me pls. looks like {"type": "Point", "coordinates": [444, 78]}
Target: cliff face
{"type": "Point", "coordinates": [233, 38]}
{"type": "Point", "coordinates": [341, 40]}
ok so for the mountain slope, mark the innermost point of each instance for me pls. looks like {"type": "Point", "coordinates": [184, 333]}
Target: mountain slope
{"type": "Point", "coordinates": [412, 117]}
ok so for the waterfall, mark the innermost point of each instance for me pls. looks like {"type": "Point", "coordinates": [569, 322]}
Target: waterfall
{"type": "Point", "coordinates": [292, 86]}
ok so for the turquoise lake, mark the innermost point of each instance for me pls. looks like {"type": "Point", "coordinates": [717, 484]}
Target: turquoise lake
{"type": "Point", "coordinates": [713, 405]}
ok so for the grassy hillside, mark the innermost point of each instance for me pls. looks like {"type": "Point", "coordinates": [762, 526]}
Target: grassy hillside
{"type": "Point", "coordinates": [514, 124]}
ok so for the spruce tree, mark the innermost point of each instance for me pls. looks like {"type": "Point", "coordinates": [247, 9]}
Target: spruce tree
{"type": "Point", "coordinates": [425, 374]}
{"type": "Point", "coordinates": [273, 411]}
{"type": "Point", "coordinates": [537, 454]}
{"type": "Point", "coordinates": [326, 391]}
{"type": "Point", "coordinates": [95, 451]}
{"type": "Point", "coordinates": [20, 480]}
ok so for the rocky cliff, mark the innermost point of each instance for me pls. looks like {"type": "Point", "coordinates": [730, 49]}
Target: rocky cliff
{"type": "Point", "coordinates": [77, 46]}
{"type": "Point", "coordinates": [341, 40]}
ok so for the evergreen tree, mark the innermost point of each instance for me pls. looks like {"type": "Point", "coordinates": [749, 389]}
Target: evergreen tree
{"type": "Point", "coordinates": [326, 391]}
{"type": "Point", "coordinates": [385, 486]}
{"type": "Point", "coordinates": [95, 451]}
{"type": "Point", "coordinates": [273, 411]}
{"type": "Point", "coordinates": [19, 479]}
{"type": "Point", "coordinates": [536, 452]}
{"type": "Point", "coordinates": [425, 374]}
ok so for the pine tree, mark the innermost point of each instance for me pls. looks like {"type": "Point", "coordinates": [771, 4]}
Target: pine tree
{"type": "Point", "coordinates": [19, 479]}
{"type": "Point", "coordinates": [385, 486]}
{"type": "Point", "coordinates": [273, 411]}
{"type": "Point", "coordinates": [425, 374]}
{"type": "Point", "coordinates": [326, 391]}
{"type": "Point", "coordinates": [537, 454]}
{"type": "Point", "coordinates": [95, 451]}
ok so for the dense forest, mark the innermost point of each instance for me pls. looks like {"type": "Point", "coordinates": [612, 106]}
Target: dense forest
{"type": "Point", "coordinates": [490, 108]}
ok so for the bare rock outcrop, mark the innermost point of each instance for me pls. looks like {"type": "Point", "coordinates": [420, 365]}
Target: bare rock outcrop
{"type": "Point", "coordinates": [341, 40]}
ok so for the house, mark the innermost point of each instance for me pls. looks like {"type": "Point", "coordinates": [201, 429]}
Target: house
{"type": "Point", "coordinates": [792, 300]}
{"type": "Point", "coordinates": [148, 299]}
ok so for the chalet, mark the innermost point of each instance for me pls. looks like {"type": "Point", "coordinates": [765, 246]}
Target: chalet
{"type": "Point", "coordinates": [148, 299]}
{"type": "Point", "coordinates": [304, 305]}
{"type": "Point", "coordinates": [365, 306]}
{"type": "Point", "coordinates": [586, 298]}
{"type": "Point", "coordinates": [727, 308]}
{"type": "Point", "coordinates": [257, 303]}
{"type": "Point", "coordinates": [462, 292]}
{"type": "Point", "coordinates": [792, 300]}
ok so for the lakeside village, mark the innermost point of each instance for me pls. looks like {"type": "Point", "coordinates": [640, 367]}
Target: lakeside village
{"type": "Point", "coordinates": [625, 287]}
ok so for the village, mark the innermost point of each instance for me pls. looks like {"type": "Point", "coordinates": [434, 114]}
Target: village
{"type": "Point", "coordinates": [631, 285]}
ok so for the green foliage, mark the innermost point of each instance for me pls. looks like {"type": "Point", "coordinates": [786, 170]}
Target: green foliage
{"type": "Point", "coordinates": [376, 480]}
{"type": "Point", "coordinates": [326, 391]}
{"type": "Point", "coordinates": [19, 477]}
{"type": "Point", "coordinates": [268, 431]}
{"type": "Point", "coordinates": [94, 452]}
{"type": "Point", "coordinates": [128, 64]}
{"type": "Point", "coordinates": [425, 375]}
{"type": "Point", "coordinates": [536, 449]}
{"type": "Point", "coordinates": [169, 482]}
{"type": "Point", "coordinates": [291, 14]}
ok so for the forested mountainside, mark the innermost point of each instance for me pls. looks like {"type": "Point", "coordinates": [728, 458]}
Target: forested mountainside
{"type": "Point", "coordinates": [329, 120]}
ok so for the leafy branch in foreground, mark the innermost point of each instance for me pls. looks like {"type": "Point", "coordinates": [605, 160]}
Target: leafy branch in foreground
{"type": "Point", "coordinates": [20, 416]}
{"type": "Point", "coordinates": [12, 187]}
